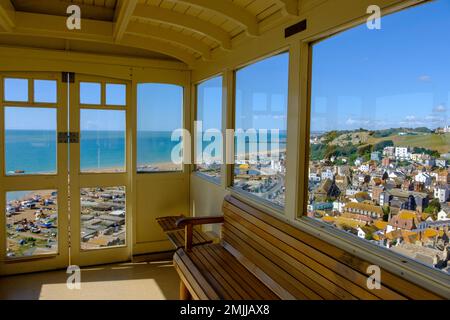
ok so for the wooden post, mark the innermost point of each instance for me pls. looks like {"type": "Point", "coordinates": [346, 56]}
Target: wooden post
{"type": "Point", "coordinates": [188, 237]}
{"type": "Point", "coordinates": [184, 292]}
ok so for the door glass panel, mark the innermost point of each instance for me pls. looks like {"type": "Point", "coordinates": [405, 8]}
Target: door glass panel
{"type": "Point", "coordinates": [30, 140]}
{"type": "Point", "coordinates": [116, 94]}
{"type": "Point", "coordinates": [90, 93]}
{"type": "Point", "coordinates": [16, 90]}
{"type": "Point", "coordinates": [45, 91]}
{"type": "Point", "coordinates": [31, 223]}
{"type": "Point", "coordinates": [102, 217]}
{"type": "Point", "coordinates": [159, 115]}
{"type": "Point", "coordinates": [209, 119]}
{"type": "Point", "coordinates": [102, 144]}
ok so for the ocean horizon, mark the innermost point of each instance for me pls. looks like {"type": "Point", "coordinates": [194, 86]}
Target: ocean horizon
{"type": "Point", "coordinates": [34, 151]}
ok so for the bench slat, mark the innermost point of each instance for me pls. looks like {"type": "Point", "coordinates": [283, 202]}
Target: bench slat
{"type": "Point", "coordinates": [304, 275]}
{"type": "Point", "coordinates": [169, 223]}
{"type": "Point", "coordinates": [226, 280]}
{"type": "Point", "coordinates": [254, 289]}
{"type": "Point", "coordinates": [203, 290]}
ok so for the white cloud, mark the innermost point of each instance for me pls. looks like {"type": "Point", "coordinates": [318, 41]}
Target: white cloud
{"type": "Point", "coordinates": [434, 119]}
{"type": "Point", "coordinates": [359, 122]}
{"type": "Point", "coordinates": [425, 78]}
{"type": "Point", "coordinates": [440, 108]}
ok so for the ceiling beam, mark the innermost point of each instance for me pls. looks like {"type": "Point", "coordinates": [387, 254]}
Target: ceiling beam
{"type": "Point", "coordinates": [289, 7]}
{"type": "Point", "coordinates": [7, 15]}
{"type": "Point", "coordinates": [147, 30]}
{"type": "Point", "coordinates": [32, 24]}
{"type": "Point", "coordinates": [124, 12]}
{"type": "Point", "coordinates": [54, 26]}
{"type": "Point", "coordinates": [192, 23]}
{"type": "Point", "coordinates": [59, 8]}
{"type": "Point", "coordinates": [160, 46]}
{"type": "Point", "coordinates": [229, 10]}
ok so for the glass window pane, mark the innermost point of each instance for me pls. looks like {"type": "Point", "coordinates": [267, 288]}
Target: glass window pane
{"type": "Point", "coordinates": [102, 140]}
{"type": "Point", "coordinates": [90, 93]}
{"type": "Point", "coordinates": [209, 126]}
{"type": "Point", "coordinates": [160, 112]}
{"type": "Point", "coordinates": [102, 217]}
{"type": "Point", "coordinates": [16, 89]}
{"type": "Point", "coordinates": [31, 223]}
{"type": "Point", "coordinates": [45, 91]}
{"type": "Point", "coordinates": [116, 94]}
{"type": "Point", "coordinates": [260, 123]}
{"type": "Point", "coordinates": [380, 148]}
{"type": "Point", "coordinates": [30, 140]}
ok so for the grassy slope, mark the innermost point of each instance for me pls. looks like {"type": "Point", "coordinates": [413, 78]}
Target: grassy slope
{"type": "Point", "coordinates": [441, 143]}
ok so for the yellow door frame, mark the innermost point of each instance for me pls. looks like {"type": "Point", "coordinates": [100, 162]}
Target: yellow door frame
{"type": "Point", "coordinates": [34, 182]}
{"type": "Point", "coordinates": [79, 180]}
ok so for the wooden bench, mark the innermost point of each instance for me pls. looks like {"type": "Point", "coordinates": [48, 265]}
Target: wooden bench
{"type": "Point", "coordinates": [262, 257]}
{"type": "Point", "coordinates": [176, 234]}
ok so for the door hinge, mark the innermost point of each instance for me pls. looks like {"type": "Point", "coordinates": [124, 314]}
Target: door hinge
{"type": "Point", "coordinates": [68, 77]}
{"type": "Point", "coordinates": [68, 137]}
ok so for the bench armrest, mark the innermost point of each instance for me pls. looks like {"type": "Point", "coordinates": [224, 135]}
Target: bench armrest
{"type": "Point", "coordinates": [182, 222]}
{"type": "Point", "coordinates": [188, 224]}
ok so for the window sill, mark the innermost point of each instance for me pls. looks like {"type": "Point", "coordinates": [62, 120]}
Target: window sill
{"type": "Point", "coordinates": [411, 270]}
{"type": "Point", "coordinates": [257, 202]}
{"type": "Point", "coordinates": [205, 177]}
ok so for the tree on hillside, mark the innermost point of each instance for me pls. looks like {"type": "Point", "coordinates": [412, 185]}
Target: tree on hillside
{"type": "Point", "coordinates": [383, 144]}
{"type": "Point", "coordinates": [433, 207]}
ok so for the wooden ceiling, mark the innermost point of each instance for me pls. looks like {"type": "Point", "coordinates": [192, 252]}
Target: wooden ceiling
{"type": "Point", "coordinates": [184, 30]}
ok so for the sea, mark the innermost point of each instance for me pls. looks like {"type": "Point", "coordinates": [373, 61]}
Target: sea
{"type": "Point", "coordinates": [34, 151]}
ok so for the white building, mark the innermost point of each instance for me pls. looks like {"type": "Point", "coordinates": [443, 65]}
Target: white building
{"type": "Point", "coordinates": [442, 216]}
{"type": "Point", "coordinates": [424, 178]}
{"type": "Point", "coordinates": [361, 233]}
{"type": "Point", "coordinates": [442, 193]}
{"type": "Point", "coordinates": [338, 206]}
{"type": "Point", "coordinates": [365, 167]}
{"type": "Point", "coordinates": [388, 151]}
{"type": "Point", "coordinates": [402, 153]}
{"type": "Point", "coordinates": [327, 174]}
{"type": "Point", "coordinates": [314, 177]}
{"type": "Point", "coordinates": [442, 163]}
{"type": "Point", "coordinates": [359, 161]}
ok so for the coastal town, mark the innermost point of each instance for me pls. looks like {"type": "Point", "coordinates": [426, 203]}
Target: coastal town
{"type": "Point", "coordinates": [396, 196]}
{"type": "Point", "coordinates": [32, 224]}
{"type": "Point", "coordinates": [32, 221]}
{"type": "Point", "coordinates": [263, 177]}
{"type": "Point", "coordinates": [102, 217]}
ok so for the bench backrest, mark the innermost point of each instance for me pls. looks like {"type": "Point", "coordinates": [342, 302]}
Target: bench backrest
{"type": "Point", "coordinates": [297, 265]}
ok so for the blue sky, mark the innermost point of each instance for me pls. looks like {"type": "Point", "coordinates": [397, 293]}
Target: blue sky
{"type": "Point", "coordinates": [396, 76]}
{"type": "Point", "coordinates": [209, 103]}
{"type": "Point", "coordinates": [261, 94]}
{"type": "Point", "coordinates": [160, 107]}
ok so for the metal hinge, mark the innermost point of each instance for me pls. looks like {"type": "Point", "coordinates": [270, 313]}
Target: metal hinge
{"type": "Point", "coordinates": [68, 137]}
{"type": "Point", "coordinates": [68, 77]}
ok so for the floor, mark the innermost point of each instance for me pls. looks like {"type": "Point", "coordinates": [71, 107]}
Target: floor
{"type": "Point", "coordinates": [138, 281]}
